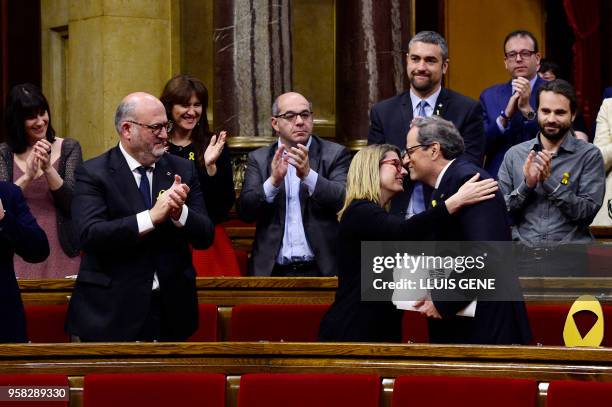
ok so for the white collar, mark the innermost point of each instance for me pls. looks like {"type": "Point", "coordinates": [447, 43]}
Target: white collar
{"type": "Point", "coordinates": [131, 161]}
{"type": "Point", "coordinates": [431, 100]}
{"type": "Point", "coordinates": [441, 174]}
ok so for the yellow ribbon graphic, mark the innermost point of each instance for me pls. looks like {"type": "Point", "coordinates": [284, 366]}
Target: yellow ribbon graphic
{"type": "Point", "coordinates": [161, 191]}
{"type": "Point", "coordinates": [192, 156]}
{"type": "Point", "coordinates": [565, 179]}
{"type": "Point", "coordinates": [571, 334]}
{"type": "Point", "coordinates": [433, 203]}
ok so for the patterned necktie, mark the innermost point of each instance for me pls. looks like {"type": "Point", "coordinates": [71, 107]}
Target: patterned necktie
{"type": "Point", "coordinates": [144, 187]}
{"type": "Point", "coordinates": [421, 108]}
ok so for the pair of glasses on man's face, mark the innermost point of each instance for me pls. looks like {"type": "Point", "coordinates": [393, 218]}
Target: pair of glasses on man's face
{"type": "Point", "coordinates": [410, 150]}
{"type": "Point", "coordinates": [157, 128]}
{"type": "Point", "coordinates": [524, 54]}
{"type": "Point", "coordinates": [291, 116]}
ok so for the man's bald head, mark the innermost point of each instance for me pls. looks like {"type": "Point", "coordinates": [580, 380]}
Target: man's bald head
{"type": "Point", "coordinates": [133, 106]}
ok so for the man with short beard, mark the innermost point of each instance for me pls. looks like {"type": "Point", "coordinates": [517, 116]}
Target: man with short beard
{"type": "Point", "coordinates": [553, 184]}
{"type": "Point", "coordinates": [426, 63]}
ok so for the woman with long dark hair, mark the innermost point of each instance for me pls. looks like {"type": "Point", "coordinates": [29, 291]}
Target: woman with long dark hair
{"type": "Point", "coordinates": [186, 100]}
{"type": "Point", "coordinates": [43, 166]}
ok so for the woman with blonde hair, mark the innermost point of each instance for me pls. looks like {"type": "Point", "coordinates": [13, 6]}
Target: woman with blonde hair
{"type": "Point", "coordinates": [375, 176]}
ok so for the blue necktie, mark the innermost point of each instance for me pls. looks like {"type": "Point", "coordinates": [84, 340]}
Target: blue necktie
{"type": "Point", "coordinates": [421, 108]}
{"type": "Point", "coordinates": [144, 187]}
{"type": "Point", "coordinates": [418, 198]}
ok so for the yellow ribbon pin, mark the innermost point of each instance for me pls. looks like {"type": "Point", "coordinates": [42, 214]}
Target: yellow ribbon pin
{"type": "Point", "coordinates": [192, 156]}
{"type": "Point", "coordinates": [161, 191]}
{"type": "Point", "coordinates": [571, 334]}
{"type": "Point", "coordinates": [565, 179]}
{"type": "Point", "coordinates": [433, 203]}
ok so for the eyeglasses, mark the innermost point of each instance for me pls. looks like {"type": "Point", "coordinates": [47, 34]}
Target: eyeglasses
{"type": "Point", "coordinates": [290, 116]}
{"type": "Point", "coordinates": [408, 152]}
{"type": "Point", "coordinates": [394, 162]}
{"type": "Point", "coordinates": [524, 53]}
{"type": "Point", "coordinates": [156, 128]}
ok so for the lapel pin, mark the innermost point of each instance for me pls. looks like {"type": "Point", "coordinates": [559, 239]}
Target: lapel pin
{"type": "Point", "coordinates": [161, 191]}
{"type": "Point", "coordinates": [168, 173]}
{"type": "Point", "coordinates": [433, 203]}
{"type": "Point", "coordinates": [565, 179]}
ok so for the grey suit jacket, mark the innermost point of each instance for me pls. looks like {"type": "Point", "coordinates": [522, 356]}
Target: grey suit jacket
{"type": "Point", "coordinates": [331, 162]}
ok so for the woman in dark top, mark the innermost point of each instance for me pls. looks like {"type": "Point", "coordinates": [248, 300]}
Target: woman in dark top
{"type": "Point", "coordinates": [43, 166]}
{"type": "Point", "coordinates": [186, 100]}
{"type": "Point", "coordinates": [374, 177]}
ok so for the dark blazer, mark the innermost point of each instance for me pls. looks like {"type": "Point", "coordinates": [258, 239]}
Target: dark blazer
{"type": "Point", "coordinates": [495, 322]}
{"type": "Point", "coordinates": [349, 319]}
{"type": "Point", "coordinates": [331, 162]}
{"type": "Point", "coordinates": [19, 233]}
{"type": "Point", "coordinates": [111, 297]}
{"type": "Point", "coordinates": [607, 92]}
{"type": "Point", "coordinates": [493, 101]}
{"type": "Point", "coordinates": [390, 121]}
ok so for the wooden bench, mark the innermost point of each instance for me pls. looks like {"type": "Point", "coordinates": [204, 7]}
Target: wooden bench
{"type": "Point", "coordinates": [388, 361]}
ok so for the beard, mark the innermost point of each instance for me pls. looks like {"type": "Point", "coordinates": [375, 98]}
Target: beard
{"type": "Point", "coordinates": [560, 132]}
{"type": "Point", "coordinates": [425, 86]}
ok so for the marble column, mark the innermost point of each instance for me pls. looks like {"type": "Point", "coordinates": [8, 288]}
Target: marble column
{"type": "Point", "coordinates": [115, 47]}
{"type": "Point", "coordinates": [371, 38]}
{"type": "Point", "coordinates": [253, 63]}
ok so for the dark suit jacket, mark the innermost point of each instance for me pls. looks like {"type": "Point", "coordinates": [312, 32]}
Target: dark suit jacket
{"type": "Point", "coordinates": [493, 101]}
{"type": "Point", "coordinates": [607, 92]}
{"type": "Point", "coordinates": [495, 322]}
{"type": "Point", "coordinates": [331, 162]}
{"type": "Point", "coordinates": [111, 297]}
{"type": "Point", "coordinates": [390, 121]}
{"type": "Point", "coordinates": [19, 233]}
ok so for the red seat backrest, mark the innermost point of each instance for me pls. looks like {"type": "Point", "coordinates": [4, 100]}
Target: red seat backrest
{"type": "Point", "coordinates": [44, 380]}
{"type": "Point", "coordinates": [45, 323]}
{"type": "Point", "coordinates": [308, 390]}
{"type": "Point", "coordinates": [154, 389]}
{"type": "Point", "coordinates": [573, 393]}
{"type": "Point", "coordinates": [445, 391]}
{"type": "Point", "coordinates": [548, 321]}
{"type": "Point", "coordinates": [208, 324]}
{"type": "Point", "coordinates": [415, 328]}
{"type": "Point", "coordinates": [219, 259]}
{"type": "Point", "coordinates": [276, 322]}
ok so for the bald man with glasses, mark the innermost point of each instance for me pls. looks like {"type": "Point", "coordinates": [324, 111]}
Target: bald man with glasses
{"type": "Point", "coordinates": [509, 109]}
{"type": "Point", "coordinates": [293, 190]}
{"type": "Point", "coordinates": [137, 211]}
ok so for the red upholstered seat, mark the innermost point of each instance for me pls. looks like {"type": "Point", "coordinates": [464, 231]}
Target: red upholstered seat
{"type": "Point", "coordinates": [243, 261]}
{"type": "Point", "coordinates": [308, 390]}
{"type": "Point", "coordinates": [445, 391]}
{"type": "Point", "coordinates": [415, 328]}
{"type": "Point", "coordinates": [276, 322]}
{"type": "Point", "coordinates": [208, 324]}
{"type": "Point", "coordinates": [154, 389]}
{"type": "Point", "coordinates": [45, 323]}
{"type": "Point", "coordinates": [217, 260]}
{"type": "Point", "coordinates": [573, 393]}
{"type": "Point", "coordinates": [34, 380]}
{"type": "Point", "coordinates": [547, 323]}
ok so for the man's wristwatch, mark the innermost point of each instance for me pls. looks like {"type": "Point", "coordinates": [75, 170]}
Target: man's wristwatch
{"type": "Point", "coordinates": [531, 115]}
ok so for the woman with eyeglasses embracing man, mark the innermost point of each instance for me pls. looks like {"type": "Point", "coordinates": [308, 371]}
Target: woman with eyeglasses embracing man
{"type": "Point", "coordinates": [374, 177]}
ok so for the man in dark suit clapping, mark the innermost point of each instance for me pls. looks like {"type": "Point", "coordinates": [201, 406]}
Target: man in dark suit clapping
{"type": "Point", "coordinates": [137, 210]}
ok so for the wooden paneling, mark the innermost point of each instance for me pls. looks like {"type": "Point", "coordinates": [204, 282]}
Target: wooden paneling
{"type": "Point", "coordinates": [475, 30]}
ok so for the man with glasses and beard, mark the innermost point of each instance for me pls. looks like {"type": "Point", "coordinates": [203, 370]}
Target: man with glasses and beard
{"type": "Point", "coordinates": [293, 189]}
{"type": "Point", "coordinates": [137, 211]}
{"type": "Point", "coordinates": [426, 64]}
{"type": "Point", "coordinates": [508, 108]}
{"type": "Point", "coordinates": [553, 185]}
